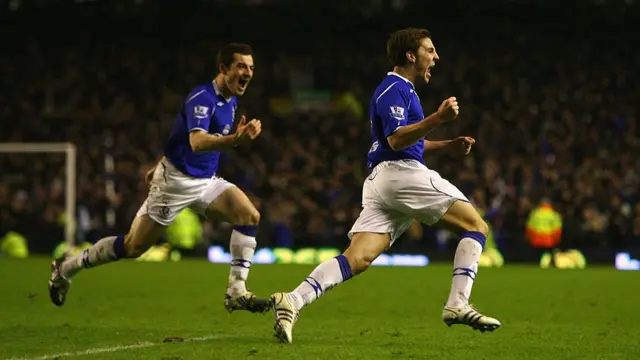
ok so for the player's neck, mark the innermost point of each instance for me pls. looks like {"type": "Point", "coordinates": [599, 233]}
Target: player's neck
{"type": "Point", "coordinates": [222, 87]}
{"type": "Point", "coordinates": [406, 73]}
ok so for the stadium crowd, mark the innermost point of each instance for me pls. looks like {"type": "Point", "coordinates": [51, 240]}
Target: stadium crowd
{"type": "Point", "coordinates": [551, 102]}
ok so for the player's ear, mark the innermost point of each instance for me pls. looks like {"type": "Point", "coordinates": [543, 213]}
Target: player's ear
{"type": "Point", "coordinates": [222, 69]}
{"type": "Point", "coordinates": [411, 57]}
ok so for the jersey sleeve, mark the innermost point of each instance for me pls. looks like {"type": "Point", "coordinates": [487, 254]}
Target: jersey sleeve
{"type": "Point", "coordinates": [392, 108]}
{"type": "Point", "coordinates": [198, 112]}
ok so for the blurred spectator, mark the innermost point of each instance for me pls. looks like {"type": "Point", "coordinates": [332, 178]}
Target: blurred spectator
{"type": "Point", "coordinates": [544, 228]}
{"type": "Point", "coordinates": [552, 102]}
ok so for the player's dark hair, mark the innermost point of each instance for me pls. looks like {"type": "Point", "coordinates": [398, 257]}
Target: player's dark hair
{"type": "Point", "coordinates": [225, 54]}
{"type": "Point", "coordinates": [402, 41]}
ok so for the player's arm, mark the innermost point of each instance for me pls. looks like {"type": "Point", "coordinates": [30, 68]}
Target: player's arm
{"type": "Point", "coordinates": [433, 146]}
{"type": "Point", "coordinates": [407, 135]}
{"type": "Point", "coordinates": [198, 112]}
{"type": "Point", "coordinates": [149, 175]}
{"type": "Point", "coordinates": [392, 107]}
{"type": "Point", "coordinates": [201, 141]}
{"type": "Point", "coordinates": [458, 146]}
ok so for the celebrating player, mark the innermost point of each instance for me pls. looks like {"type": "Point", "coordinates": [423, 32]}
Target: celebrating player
{"type": "Point", "coordinates": [185, 177]}
{"type": "Point", "coordinates": [401, 188]}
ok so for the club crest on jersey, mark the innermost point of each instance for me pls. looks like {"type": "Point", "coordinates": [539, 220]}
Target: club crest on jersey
{"type": "Point", "coordinates": [397, 112]}
{"type": "Point", "coordinates": [164, 212]}
{"type": "Point", "coordinates": [200, 112]}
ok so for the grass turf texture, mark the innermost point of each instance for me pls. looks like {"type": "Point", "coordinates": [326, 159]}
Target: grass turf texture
{"type": "Point", "coordinates": [387, 313]}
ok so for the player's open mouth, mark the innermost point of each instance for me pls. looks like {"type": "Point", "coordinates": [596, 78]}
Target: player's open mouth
{"type": "Point", "coordinates": [242, 83]}
{"type": "Point", "coordinates": [428, 71]}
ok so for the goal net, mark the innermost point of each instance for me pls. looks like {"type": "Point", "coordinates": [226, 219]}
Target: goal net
{"type": "Point", "coordinates": [16, 175]}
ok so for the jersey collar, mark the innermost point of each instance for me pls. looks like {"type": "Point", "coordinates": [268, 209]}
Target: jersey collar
{"type": "Point", "coordinates": [401, 77]}
{"type": "Point", "coordinates": [215, 88]}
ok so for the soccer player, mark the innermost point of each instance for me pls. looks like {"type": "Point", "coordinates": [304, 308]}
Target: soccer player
{"type": "Point", "coordinates": [185, 177]}
{"type": "Point", "coordinates": [401, 188]}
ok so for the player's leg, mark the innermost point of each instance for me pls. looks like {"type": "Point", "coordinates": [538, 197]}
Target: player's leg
{"type": "Point", "coordinates": [227, 202]}
{"type": "Point", "coordinates": [372, 233]}
{"type": "Point", "coordinates": [364, 249]}
{"type": "Point", "coordinates": [169, 193]}
{"type": "Point", "coordinates": [422, 194]}
{"type": "Point", "coordinates": [463, 219]}
{"type": "Point", "coordinates": [144, 233]}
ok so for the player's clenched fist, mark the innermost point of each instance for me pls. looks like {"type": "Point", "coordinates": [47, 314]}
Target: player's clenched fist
{"type": "Point", "coordinates": [248, 131]}
{"type": "Point", "coordinates": [449, 109]}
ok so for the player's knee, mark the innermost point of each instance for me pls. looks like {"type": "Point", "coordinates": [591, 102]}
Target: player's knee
{"type": "Point", "coordinates": [364, 249]}
{"type": "Point", "coordinates": [479, 225]}
{"type": "Point", "coordinates": [254, 217]}
{"type": "Point", "coordinates": [359, 262]}
{"type": "Point", "coordinates": [249, 216]}
{"type": "Point", "coordinates": [134, 247]}
{"type": "Point", "coordinates": [484, 228]}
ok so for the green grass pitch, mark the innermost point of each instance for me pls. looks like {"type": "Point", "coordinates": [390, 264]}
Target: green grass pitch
{"type": "Point", "coordinates": [126, 310]}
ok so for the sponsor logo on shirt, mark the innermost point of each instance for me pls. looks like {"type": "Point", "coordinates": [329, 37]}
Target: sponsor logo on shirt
{"type": "Point", "coordinates": [200, 112]}
{"type": "Point", "coordinates": [397, 112]}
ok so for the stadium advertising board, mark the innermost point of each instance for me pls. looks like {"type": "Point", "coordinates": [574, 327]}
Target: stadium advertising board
{"type": "Point", "coordinates": [624, 261]}
{"type": "Point", "coordinates": [218, 255]}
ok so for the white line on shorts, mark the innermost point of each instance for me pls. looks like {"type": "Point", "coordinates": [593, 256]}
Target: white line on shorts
{"type": "Point", "coordinates": [93, 351]}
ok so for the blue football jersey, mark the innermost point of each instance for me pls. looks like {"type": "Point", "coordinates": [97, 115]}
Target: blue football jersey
{"type": "Point", "coordinates": [205, 109]}
{"type": "Point", "coordinates": [394, 105]}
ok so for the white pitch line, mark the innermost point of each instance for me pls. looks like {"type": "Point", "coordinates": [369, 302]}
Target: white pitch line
{"type": "Point", "coordinates": [140, 345]}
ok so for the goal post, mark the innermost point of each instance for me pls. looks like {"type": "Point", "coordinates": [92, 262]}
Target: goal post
{"type": "Point", "coordinates": [69, 150]}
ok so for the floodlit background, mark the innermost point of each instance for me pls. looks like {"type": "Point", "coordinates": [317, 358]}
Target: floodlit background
{"type": "Point", "coordinates": [548, 89]}
{"type": "Point", "coordinates": [550, 92]}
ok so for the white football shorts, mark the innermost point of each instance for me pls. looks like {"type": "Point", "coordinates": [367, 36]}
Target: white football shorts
{"type": "Point", "coordinates": [171, 191]}
{"type": "Point", "coordinates": [397, 192]}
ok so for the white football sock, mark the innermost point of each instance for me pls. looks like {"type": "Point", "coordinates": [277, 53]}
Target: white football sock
{"type": "Point", "coordinates": [465, 268]}
{"type": "Point", "coordinates": [100, 253]}
{"type": "Point", "coordinates": [322, 279]}
{"type": "Point", "coordinates": [242, 249]}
